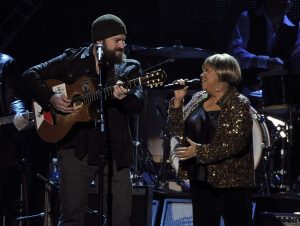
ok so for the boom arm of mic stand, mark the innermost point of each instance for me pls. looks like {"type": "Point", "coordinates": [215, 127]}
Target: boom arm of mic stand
{"type": "Point", "coordinates": [170, 60]}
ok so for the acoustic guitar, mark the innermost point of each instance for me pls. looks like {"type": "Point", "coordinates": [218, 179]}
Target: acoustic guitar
{"type": "Point", "coordinates": [52, 126]}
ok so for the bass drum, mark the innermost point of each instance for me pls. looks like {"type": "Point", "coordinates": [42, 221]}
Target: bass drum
{"type": "Point", "coordinates": [260, 136]}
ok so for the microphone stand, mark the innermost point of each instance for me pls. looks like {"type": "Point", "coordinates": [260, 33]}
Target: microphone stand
{"type": "Point", "coordinates": [166, 136]}
{"type": "Point", "coordinates": [102, 135]}
{"type": "Point", "coordinates": [137, 178]}
{"type": "Point", "coordinates": [170, 60]}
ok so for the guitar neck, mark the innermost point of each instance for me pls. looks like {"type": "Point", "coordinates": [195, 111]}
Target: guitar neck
{"type": "Point", "coordinates": [6, 120]}
{"type": "Point", "coordinates": [108, 91]}
{"type": "Point", "coordinates": [10, 119]}
{"type": "Point", "coordinates": [151, 79]}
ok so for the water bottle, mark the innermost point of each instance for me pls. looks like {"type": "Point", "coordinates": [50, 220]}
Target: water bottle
{"type": "Point", "coordinates": [54, 171]}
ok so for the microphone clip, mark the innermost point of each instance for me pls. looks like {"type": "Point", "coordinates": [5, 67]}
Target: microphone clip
{"type": "Point", "coordinates": [99, 49]}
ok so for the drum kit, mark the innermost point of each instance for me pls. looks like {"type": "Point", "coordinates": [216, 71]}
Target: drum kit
{"type": "Point", "coordinates": [273, 111]}
{"type": "Point", "coordinates": [274, 116]}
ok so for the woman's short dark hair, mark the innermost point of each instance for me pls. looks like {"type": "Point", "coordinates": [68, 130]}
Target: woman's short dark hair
{"type": "Point", "coordinates": [226, 67]}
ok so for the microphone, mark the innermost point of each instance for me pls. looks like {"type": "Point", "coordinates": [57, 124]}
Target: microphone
{"type": "Point", "coordinates": [99, 51]}
{"type": "Point", "coordinates": [194, 83]}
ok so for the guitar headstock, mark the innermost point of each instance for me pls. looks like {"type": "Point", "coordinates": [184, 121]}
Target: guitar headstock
{"type": "Point", "coordinates": [154, 79]}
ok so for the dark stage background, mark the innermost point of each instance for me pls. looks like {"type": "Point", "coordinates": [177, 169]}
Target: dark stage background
{"type": "Point", "coordinates": [59, 24]}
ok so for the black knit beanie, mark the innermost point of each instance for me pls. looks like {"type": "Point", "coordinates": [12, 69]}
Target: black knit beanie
{"type": "Point", "coordinates": [107, 26]}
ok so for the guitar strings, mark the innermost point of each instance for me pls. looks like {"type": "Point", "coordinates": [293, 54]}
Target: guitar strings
{"type": "Point", "coordinates": [95, 95]}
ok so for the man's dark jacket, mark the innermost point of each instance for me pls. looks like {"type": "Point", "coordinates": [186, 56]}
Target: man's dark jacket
{"type": "Point", "coordinates": [84, 137]}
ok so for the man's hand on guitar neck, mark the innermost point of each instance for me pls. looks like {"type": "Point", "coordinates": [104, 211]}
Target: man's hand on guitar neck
{"type": "Point", "coordinates": [119, 91]}
{"type": "Point", "coordinates": [61, 103]}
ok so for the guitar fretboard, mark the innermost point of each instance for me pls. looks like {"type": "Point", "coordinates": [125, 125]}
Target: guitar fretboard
{"type": "Point", "coordinates": [108, 91]}
{"type": "Point", "coordinates": [9, 119]}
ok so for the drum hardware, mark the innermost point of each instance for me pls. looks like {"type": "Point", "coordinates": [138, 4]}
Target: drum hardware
{"type": "Point", "coordinates": [279, 174]}
{"type": "Point", "coordinates": [20, 206]}
{"type": "Point", "coordinates": [274, 95]}
{"type": "Point", "coordinates": [175, 52]}
{"type": "Point", "coordinates": [261, 152]}
{"type": "Point", "coordinates": [255, 98]}
{"type": "Point", "coordinates": [280, 93]}
{"type": "Point", "coordinates": [167, 174]}
{"type": "Point", "coordinates": [265, 183]}
{"type": "Point", "coordinates": [285, 132]}
{"type": "Point", "coordinates": [164, 172]}
{"type": "Point", "coordinates": [136, 176]}
{"type": "Point", "coordinates": [260, 136]}
{"type": "Point", "coordinates": [145, 171]}
{"type": "Point", "coordinates": [142, 157]}
{"type": "Point", "coordinates": [142, 161]}
{"type": "Point", "coordinates": [164, 167]}
{"type": "Point", "coordinates": [270, 174]}
{"type": "Point", "coordinates": [280, 90]}
{"type": "Point", "coordinates": [284, 139]}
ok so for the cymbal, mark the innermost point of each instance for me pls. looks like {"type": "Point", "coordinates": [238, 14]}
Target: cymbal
{"type": "Point", "coordinates": [274, 72]}
{"type": "Point", "coordinates": [257, 93]}
{"type": "Point", "coordinates": [132, 47]}
{"type": "Point", "coordinates": [176, 52]}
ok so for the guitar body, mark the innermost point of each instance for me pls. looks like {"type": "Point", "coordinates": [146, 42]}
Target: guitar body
{"type": "Point", "coordinates": [56, 125]}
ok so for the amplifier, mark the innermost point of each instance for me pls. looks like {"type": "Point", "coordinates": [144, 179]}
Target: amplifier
{"type": "Point", "coordinates": [177, 212]}
{"type": "Point", "coordinates": [142, 201]}
{"type": "Point", "coordinates": [279, 219]}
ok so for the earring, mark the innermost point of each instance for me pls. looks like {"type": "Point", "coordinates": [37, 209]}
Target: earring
{"type": "Point", "coordinates": [219, 87]}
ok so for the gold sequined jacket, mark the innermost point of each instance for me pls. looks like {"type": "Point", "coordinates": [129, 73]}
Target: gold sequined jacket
{"type": "Point", "coordinates": [228, 157]}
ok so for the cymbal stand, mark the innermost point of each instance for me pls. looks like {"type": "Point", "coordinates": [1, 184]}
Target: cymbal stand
{"type": "Point", "coordinates": [23, 200]}
{"type": "Point", "coordinates": [49, 184]}
{"type": "Point", "coordinates": [136, 177]}
{"type": "Point", "coordinates": [46, 214]}
{"type": "Point", "coordinates": [284, 135]}
{"type": "Point", "coordinates": [290, 143]}
{"type": "Point", "coordinates": [285, 152]}
{"type": "Point", "coordinates": [266, 173]}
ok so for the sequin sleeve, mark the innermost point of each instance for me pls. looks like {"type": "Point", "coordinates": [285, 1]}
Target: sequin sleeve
{"type": "Point", "coordinates": [175, 120]}
{"type": "Point", "coordinates": [232, 135]}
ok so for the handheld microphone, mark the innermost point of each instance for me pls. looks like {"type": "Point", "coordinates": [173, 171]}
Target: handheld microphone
{"type": "Point", "coordinates": [99, 51]}
{"type": "Point", "coordinates": [194, 83]}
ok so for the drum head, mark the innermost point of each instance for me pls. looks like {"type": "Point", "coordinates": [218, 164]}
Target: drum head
{"type": "Point", "coordinates": [260, 137]}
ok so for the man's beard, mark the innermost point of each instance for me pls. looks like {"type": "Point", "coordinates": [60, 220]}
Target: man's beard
{"type": "Point", "coordinates": [111, 56]}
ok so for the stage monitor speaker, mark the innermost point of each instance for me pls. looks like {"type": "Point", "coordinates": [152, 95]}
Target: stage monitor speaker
{"type": "Point", "coordinates": [279, 219]}
{"type": "Point", "coordinates": [177, 212]}
{"type": "Point", "coordinates": [155, 206]}
{"type": "Point", "coordinates": [141, 206]}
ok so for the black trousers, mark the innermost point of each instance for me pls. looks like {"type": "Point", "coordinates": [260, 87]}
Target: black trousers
{"type": "Point", "coordinates": [76, 177]}
{"type": "Point", "coordinates": [209, 204]}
